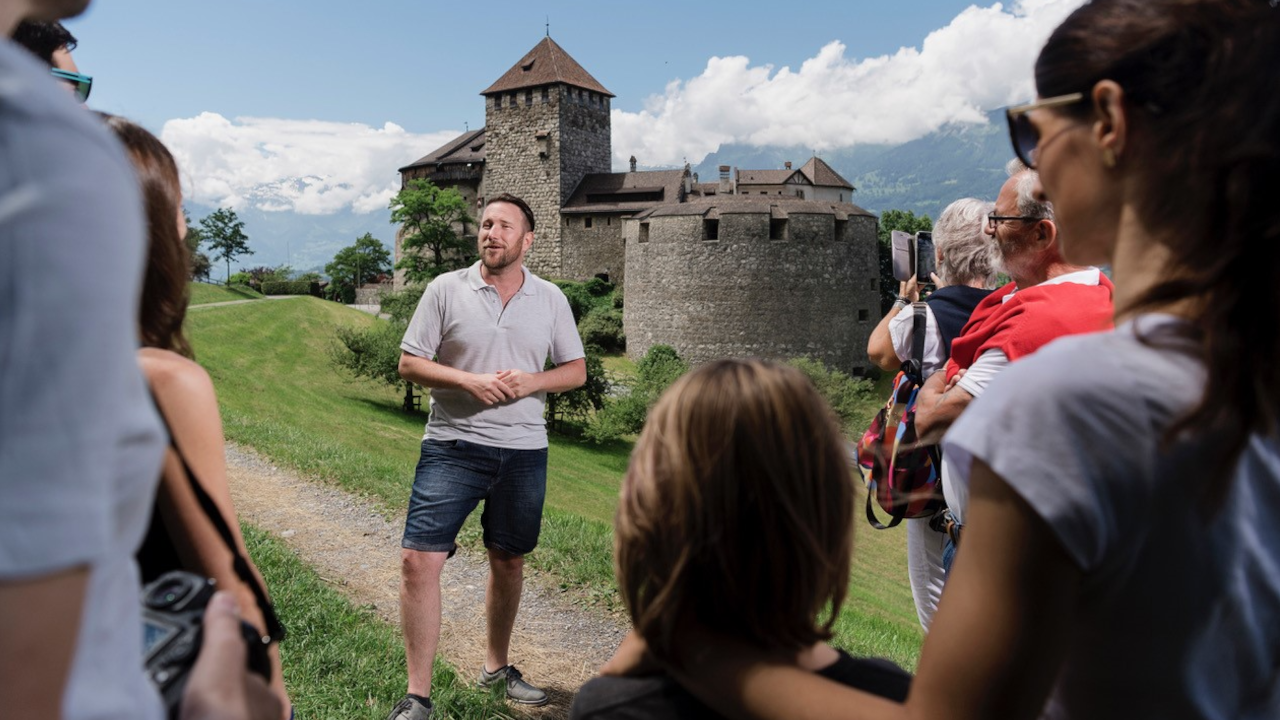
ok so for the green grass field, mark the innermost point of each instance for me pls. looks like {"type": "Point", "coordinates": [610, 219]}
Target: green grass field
{"type": "Point", "coordinates": [205, 293]}
{"type": "Point", "coordinates": [280, 394]}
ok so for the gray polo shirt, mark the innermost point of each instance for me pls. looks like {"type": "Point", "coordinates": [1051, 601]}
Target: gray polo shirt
{"type": "Point", "coordinates": [460, 322]}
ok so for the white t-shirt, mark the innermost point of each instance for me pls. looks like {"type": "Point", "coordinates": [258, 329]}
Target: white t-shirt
{"type": "Point", "coordinates": [1179, 613]}
{"type": "Point", "coordinates": [80, 443]}
{"type": "Point", "coordinates": [901, 330]}
{"type": "Point", "coordinates": [461, 322]}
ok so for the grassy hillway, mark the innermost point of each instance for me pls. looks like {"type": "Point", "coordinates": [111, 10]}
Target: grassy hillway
{"type": "Point", "coordinates": [281, 396]}
{"type": "Point", "coordinates": [206, 293]}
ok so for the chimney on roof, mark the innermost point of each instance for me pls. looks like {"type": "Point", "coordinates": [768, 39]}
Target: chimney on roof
{"type": "Point", "coordinates": [725, 186]}
{"type": "Point", "coordinates": [686, 182]}
{"type": "Point", "coordinates": [787, 164]}
{"type": "Point", "coordinates": [633, 163]}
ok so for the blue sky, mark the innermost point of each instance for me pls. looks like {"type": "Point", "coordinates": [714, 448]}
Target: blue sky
{"type": "Point", "coordinates": [287, 107]}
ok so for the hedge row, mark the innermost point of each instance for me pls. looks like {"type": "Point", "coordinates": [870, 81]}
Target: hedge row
{"type": "Point", "coordinates": [292, 287]}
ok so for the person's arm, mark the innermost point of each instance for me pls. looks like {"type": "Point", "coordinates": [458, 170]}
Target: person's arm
{"type": "Point", "coordinates": [39, 623]}
{"type": "Point", "coordinates": [995, 647]}
{"type": "Point", "coordinates": [938, 406]}
{"type": "Point", "coordinates": [185, 393]}
{"type": "Point", "coordinates": [561, 378]}
{"type": "Point", "coordinates": [220, 687]}
{"type": "Point", "coordinates": [880, 345]}
{"type": "Point", "coordinates": [488, 388]}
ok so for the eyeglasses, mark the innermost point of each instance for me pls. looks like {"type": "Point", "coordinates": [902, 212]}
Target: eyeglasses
{"type": "Point", "coordinates": [82, 83]}
{"type": "Point", "coordinates": [994, 219]}
{"type": "Point", "coordinates": [1024, 136]}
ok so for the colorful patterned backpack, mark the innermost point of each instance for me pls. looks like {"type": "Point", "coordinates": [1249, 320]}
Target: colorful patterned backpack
{"type": "Point", "coordinates": [903, 477]}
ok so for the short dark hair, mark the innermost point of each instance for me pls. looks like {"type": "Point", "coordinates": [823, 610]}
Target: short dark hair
{"type": "Point", "coordinates": [43, 39]}
{"type": "Point", "coordinates": [513, 200]}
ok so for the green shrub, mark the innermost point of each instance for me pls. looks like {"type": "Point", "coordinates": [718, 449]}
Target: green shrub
{"type": "Point", "coordinates": [603, 326]}
{"type": "Point", "coordinates": [290, 287]}
{"type": "Point", "coordinates": [401, 303]}
{"type": "Point", "coordinates": [625, 414]}
{"type": "Point", "coordinates": [852, 399]}
{"type": "Point", "coordinates": [340, 293]}
{"type": "Point", "coordinates": [372, 352]}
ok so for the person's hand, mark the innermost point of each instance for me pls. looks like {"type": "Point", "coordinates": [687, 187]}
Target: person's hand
{"type": "Point", "coordinates": [522, 384]}
{"type": "Point", "coordinates": [955, 380]}
{"type": "Point", "coordinates": [910, 289]}
{"type": "Point", "coordinates": [220, 686]}
{"type": "Point", "coordinates": [489, 388]}
{"type": "Point", "coordinates": [631, 659]}
{"type": "Point", "coordinates": [937, 281]}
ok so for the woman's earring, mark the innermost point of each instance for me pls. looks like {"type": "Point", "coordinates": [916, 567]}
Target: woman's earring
{"type": "Point", "coordinates": [1108, 157]}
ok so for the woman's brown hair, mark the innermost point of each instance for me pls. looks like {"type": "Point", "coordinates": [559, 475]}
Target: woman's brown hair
{"type": "Point", "coordinates": [1204, 140]}
{"type": "Point", "coordinates": [737, 510]}
{"type": "Point", "coordinates": [164, 291]}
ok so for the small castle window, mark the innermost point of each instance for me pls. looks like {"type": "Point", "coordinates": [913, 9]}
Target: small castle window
{"type": "Point", "coordinates": [841, 197]}
{"type": "Point", "coordinates": [841, 228]}
{"type": "Point", "coordinates": [644, 232]}
{"type": "Point", "coordinates": [872, 284]}
{"type": "Point", "coordinates": [777, 229]}
{"type": "Point", "coordinates": [545, 95]}
{"type": "Point", "coordinates": [528, 97]}
{"type": "Point", "coordinates": [710, 229]}
{"type": "Point", "coordinates": [511, 99]}
{"type": "Point", "coordinates": [864, 315]}
{"type": "Point", "coordinates": [608, 220]}
{"type": "Point", "coordinates": [586, 221]}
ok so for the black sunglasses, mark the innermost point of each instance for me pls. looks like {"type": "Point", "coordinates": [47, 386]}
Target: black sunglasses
{"type": "Point", "coordinates": [82, 83]}
{"type": "Point", "coordinates": [1024, 136]}
{"type": "Point", "coordinates": [994, 219]}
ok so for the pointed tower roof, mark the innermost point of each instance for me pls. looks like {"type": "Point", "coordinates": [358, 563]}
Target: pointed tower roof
{"type": "Point", "coordinates": [820, 173]}
{"type": "Point", "coordinates": [545, 64]}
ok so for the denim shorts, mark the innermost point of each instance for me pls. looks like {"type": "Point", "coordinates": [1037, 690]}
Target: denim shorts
{"type": "Point", "coordinates": [453, 476]}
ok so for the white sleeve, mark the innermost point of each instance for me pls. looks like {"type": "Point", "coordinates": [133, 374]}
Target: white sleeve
{"type": "Point", "coordinates": [979, 375]}
{"type": "Point", "coordinates": [901, 327]}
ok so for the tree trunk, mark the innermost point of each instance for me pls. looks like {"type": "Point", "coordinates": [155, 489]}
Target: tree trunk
{"type": "Point", "coordinates": [408, 397]}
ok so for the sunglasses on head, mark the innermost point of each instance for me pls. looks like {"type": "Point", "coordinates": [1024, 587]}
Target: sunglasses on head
{"type": "Point", "coordinates": [82, 83]}
{"type": "Point", "coordinates": [1024, 136]}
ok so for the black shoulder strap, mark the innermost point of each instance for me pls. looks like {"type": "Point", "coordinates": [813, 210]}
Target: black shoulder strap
{"type": "Point", "coordinates": [275, 630]}
{"type": "Point", "coordinates": [915, 366]}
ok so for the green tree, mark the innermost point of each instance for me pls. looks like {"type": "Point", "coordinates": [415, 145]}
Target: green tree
{"type": "Point", "coordinates": [431, 242]}
{"type": "Point", "coordinates": [890, 220]}
{"type": "Point", "coordinates": [200, 264]}
{"type": "Point", "coordinates": [224, 232]}
{"type": "Point", "coordinates": [578, 404]}
{"type": "Point", "coordinates": [360, 263]}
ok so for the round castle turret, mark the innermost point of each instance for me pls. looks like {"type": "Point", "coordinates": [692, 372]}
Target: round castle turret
{"type": "Point", "coordinates": [735, 276]}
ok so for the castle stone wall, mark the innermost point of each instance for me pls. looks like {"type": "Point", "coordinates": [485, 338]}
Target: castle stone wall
{"type": "Point", "coordinates": [744, 295]}
{"type": "Point", "coordinates": [539, 149]}
{"type": "Point", "coordinates": [589, 251]}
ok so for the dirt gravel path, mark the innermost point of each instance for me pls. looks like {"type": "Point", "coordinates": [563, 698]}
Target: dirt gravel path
{"type": "Point", "coordinates": [557, 644]}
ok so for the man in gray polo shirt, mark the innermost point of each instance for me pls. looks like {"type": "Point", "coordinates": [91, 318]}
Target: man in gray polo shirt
{"type": "Point", "coordinates": [480, 339]}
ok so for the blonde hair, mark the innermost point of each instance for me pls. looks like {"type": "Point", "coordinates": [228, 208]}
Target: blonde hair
{"type": "Point", "coordinates": [737, 510]}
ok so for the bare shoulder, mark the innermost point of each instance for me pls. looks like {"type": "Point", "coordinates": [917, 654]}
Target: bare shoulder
{"type": "Point", "coordinates": [171, 375]}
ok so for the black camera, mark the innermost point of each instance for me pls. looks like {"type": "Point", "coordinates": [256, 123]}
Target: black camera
{"type": "Point", "coordinates": [172, 628]}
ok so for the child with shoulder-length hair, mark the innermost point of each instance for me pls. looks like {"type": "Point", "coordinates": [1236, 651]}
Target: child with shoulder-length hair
{"type": "Point", "coordinates": [736, 515]}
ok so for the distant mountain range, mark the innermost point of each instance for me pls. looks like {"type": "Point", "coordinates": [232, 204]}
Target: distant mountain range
{"type": "Point", "coordinates": [924, 176]}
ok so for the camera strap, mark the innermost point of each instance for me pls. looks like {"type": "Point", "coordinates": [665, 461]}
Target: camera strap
{"type": "Point", "coordinates": [275, 630]}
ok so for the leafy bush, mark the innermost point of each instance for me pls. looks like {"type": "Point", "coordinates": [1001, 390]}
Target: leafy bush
{"type": "Point", "coordinates": [852, 399]}
{"type": "Point", "coordinates": [290, 287]}
{"type": "Point", "coordinates": [345, 294]}
{"type": "Point", "coordinates": [372, 352]}
{"type": "Point", "coordinates": [577, 405]}
{"type": "Point", "coordinates": [626, 413]}
{"type": "Point", "coordinates": [603, 326]}
{"type": "Point", "coordinates": [401, 303]}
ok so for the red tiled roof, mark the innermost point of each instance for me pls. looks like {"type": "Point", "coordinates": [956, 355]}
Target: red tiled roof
{"type": "Point", "coordinates": [545, 64]}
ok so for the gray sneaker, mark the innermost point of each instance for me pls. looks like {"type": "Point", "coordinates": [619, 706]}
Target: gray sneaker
{"type": "Point", "coordinates": [410, 709]}
{"type": "Point", "coordinates": [517, 689]}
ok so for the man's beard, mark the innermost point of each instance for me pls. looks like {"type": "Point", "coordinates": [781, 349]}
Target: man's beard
{"type": "Point", "coordinates": [505, 258]}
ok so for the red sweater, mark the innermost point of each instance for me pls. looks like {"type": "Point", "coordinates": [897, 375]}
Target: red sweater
{"type": "Point", "coordinates": [1031, 318]}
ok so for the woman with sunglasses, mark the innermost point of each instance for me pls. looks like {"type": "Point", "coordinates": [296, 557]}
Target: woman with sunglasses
{"type": "Point", "coordinates": [181, 535]}
{"type": "Point", "coordinates": [1123, 548]}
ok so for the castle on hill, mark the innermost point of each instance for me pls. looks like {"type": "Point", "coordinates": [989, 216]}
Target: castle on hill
{"type": "Point", "coordinates": [772, 263]}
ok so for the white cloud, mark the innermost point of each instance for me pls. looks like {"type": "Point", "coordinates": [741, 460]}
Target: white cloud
{"type": "Point", "coordinates": [311, 167]}
{"type": "Point", "coordinates": [982, 60]}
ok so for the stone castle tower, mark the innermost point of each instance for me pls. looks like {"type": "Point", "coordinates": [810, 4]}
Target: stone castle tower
{"type": "Point", "coordinates": [546, 127]}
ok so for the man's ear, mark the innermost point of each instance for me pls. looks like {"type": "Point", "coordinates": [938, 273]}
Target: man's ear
{"type": "Point", "coordinates": [1047, 234]}
{"type": "Point", "coordinates": [1110, 126]}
